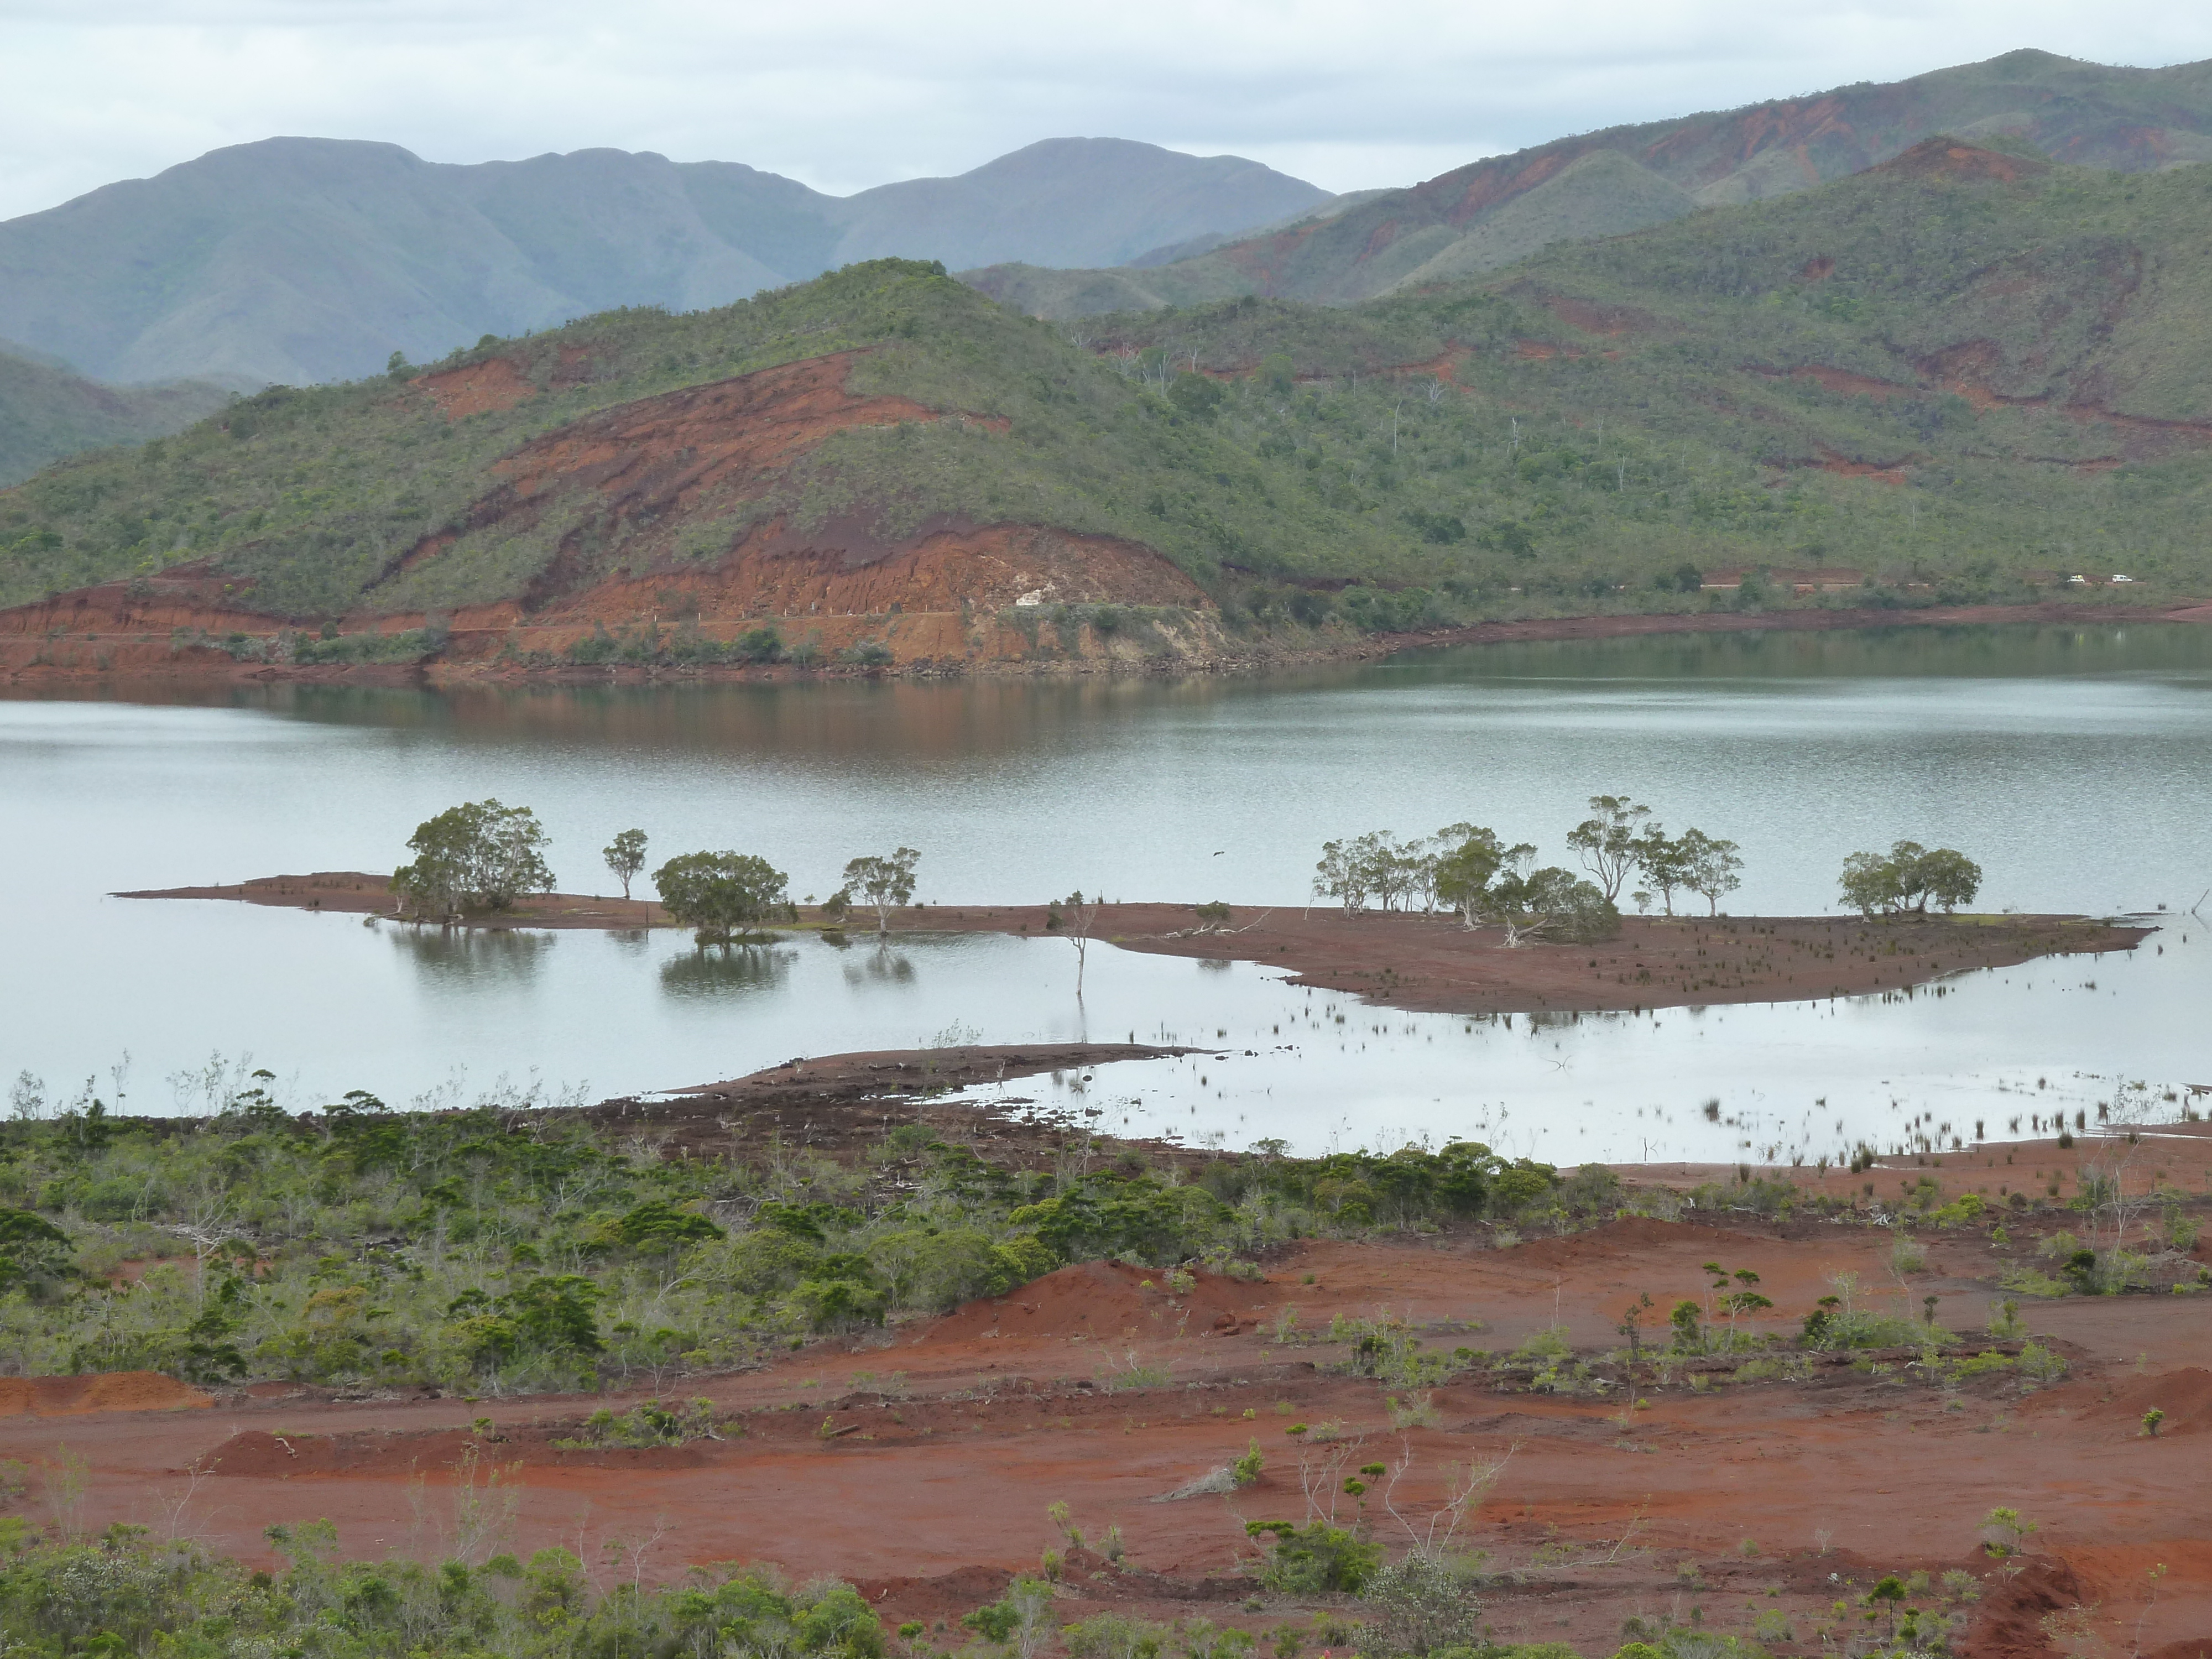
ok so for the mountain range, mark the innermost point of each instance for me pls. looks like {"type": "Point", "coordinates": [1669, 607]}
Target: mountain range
{"type": "Point", "coordinates": [1491, 213]}
{"type": "Point", "coordinates": [298, 260]}
{"type": "Point", "coordinates": [301, 261]}
{"type": "Point", "coordinates": [1966, 374]}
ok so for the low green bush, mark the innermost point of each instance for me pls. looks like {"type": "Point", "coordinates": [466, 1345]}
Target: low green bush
{"type": "Point", "coordinates": [1315, 1559]}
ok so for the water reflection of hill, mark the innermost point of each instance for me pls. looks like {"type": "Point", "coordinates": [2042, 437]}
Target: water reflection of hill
{"type": "Point", "coordinates": [906, 724]}
{"type": "Point", "coordinates": [817, 721]}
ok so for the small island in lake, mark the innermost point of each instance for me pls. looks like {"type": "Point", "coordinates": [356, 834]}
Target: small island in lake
{"type": "Point", "coordinates": [1426, 963]}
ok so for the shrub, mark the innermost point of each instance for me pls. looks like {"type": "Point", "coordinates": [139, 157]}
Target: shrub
{"type": "Point", "coordinates": [658, 1227]}
{"type": "Point", "coordinates": [867, 653]}
{"type": "Point", "coordinates": [647, 1424]}
{"type": "Point", "coordinates": [1317, 1560]}
{"type": "Point", "coordinates": [842, 1297]}
{"type": "Point", "coordinates": [1422, 1605]}
{"type": "Point", "coordinates": [1246, 1470]}
{"type": "Point", "coordinates": [1113, 1635]}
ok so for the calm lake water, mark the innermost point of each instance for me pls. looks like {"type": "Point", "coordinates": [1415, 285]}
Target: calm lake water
{"type": "Point", "coordinates": [2075, 764]}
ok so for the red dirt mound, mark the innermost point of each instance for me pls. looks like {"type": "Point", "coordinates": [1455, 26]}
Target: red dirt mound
{"type": "Point", "coordinates": [107, 1391]}
{"type": "Point", "coordinates": [844, 569]}
{"type": "Point", "coordinates": [1600, 319]}
{"type": "Point", "coordinates": [1099, 1300]}
{"type": "Point", "coordinates": [2012, 1611]}
{"type": "Point", "coordinates": [2185, 1395]}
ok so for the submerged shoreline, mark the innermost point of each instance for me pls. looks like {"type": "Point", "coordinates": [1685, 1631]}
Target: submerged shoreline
{"type": "Point", "coordinates": [1420, 964]}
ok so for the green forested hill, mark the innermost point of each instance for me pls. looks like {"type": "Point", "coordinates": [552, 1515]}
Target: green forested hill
{"type": "Point", "coordinates": [315, 495]}
{"type": "Point", "coordinates": [1964, 365]}
{"type": "Point", "coordinates": [1947, 375]}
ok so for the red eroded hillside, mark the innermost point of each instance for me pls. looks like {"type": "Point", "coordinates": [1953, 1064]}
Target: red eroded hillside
{"type": "Point", "coordinates": [640, 486]}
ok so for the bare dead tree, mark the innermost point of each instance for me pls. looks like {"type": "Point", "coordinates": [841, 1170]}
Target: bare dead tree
{"type": "Point", "coordinates": [206, 1227]}
{"type": "Point", "coordinates": [173, 1503]}
{"type": "Point", "coordinates": [1321, 1475]}
{"type": "Point", "coordinates": [1078, 918]}
{"type": "Point", "coordinates": [1432, 1536]}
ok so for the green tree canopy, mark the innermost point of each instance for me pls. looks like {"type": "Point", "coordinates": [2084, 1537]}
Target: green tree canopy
{"type": "Point", "coordinates": [1909, 879]}
{"type": "Point", "coordinates": [625, 856]}
{"type": "Point", "coordinates": [721, 895]}
{"type": "Point", "coordinates": [1606, 841]}
{"type": "Point", "coordinates": [1550, 903]}
{"type": "Point", "coordinates": [478, 856]}
{"type": "Point", "coordinates": [1473, 857]}
{"type": "Point", "coordinates": [1710, 866]}
{"type": "Point", "coordinates": [882, 884]}
{"type": "Point", "coordinates": [32, 1249]}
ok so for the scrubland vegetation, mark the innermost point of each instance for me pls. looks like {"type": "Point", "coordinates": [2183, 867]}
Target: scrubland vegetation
{"type": "Point", "coordinates": [504, 1248]}
{"type": "Point", "coordinates": [499, 1248]}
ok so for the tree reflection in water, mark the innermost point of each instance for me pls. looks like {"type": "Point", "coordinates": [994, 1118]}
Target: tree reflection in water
{"type": "Point", "coordinates": [722, 970]}
{"type": "Point", "coordinates": [880, 966]}
{"type": "Point", "coordinates": [449, 955]}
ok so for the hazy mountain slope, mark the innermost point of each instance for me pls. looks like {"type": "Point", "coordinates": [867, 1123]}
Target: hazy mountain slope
{"type": "Point", "coordinates": [2125, 119]}
{"type": "Point", "coordinates": [605, 229]}
{"type": "Point", "coordinates": [1091, 201]}
{"type": "Point", "coordinates": [292, 260]}
{"type": "Point", "coordinates": [300, 260]}
{"type": "Point", "coordinates": [1958, 375]}
{"type": "Point", "coordinates": [47, 411]}
{"type": "Point", "coordinates": [1191, 247]}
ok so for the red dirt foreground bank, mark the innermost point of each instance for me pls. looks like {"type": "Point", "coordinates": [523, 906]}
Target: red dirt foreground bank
{"type": "Point", "coordinates": [1426, 964]}
{"type": "Point", "coordinates": [920, 1461]}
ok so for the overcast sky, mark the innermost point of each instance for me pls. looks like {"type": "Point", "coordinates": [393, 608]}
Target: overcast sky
{"type": "Point", "coordinates": [845, 94]}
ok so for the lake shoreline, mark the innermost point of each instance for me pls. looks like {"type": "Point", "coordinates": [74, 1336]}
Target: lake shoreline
{"type": "Point", "coordinates": [63, 650]}
{"type": "Point", "coordinates": [1420, 964]}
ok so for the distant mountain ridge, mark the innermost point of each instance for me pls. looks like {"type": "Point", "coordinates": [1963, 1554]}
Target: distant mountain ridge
{"type": "Point", "coordinates": [48, 410]}
{"type": "Point", "coordinates": [300, 260]}
{"type": "Point", "coordinates": [1492, 213]}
